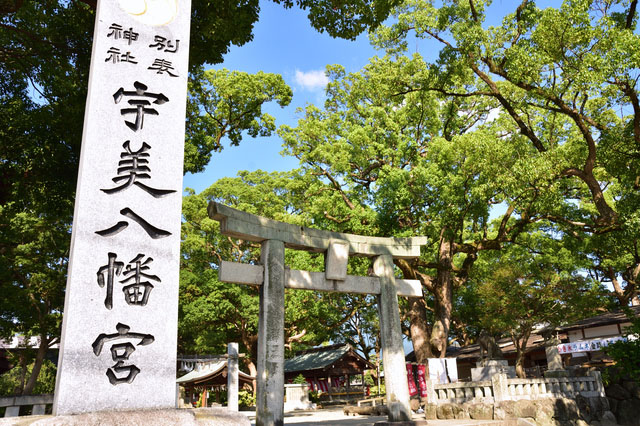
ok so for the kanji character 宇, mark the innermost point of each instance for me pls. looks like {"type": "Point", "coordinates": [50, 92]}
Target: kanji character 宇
{"type": "Point", "coordinates": [140, 105]}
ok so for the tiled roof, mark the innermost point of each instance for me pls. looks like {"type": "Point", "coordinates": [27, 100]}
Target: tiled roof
{"type": "Point", "coordinates": [206, 372]}
{"type": "Point", "coordinates": [616, 317]}
{"type": "Point", "coordinates": [315, 359]}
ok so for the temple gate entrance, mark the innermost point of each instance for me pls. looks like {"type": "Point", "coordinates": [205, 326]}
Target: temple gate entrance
{"type": "Point", "coordinates": [272, 276]}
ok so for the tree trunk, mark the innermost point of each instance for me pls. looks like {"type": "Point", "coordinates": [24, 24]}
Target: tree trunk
{"type": "Point", "coordinates": [520, 342]}
{"type": "Point", "coordinates": [419, 329]}
{"type": "Point", "coordinates": [253, 372]}
{"type": "Point", "coordinates": [443, 296]}
{"type": "Point", "coordinates": [251, 343]}
{"type": "Point", "coordinates": [22, 362]}
{"type": "Point", "coordinates": [37, 365]}
{"type": "Point", "coordinates": [520, 364]}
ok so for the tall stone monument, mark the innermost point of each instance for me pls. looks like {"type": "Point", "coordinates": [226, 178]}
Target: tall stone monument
{"type": "Point", "coordinates": [118, 348]}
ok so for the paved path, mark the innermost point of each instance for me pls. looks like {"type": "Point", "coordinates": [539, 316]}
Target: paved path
{"type": "Point", "coordinates": [335, 416]}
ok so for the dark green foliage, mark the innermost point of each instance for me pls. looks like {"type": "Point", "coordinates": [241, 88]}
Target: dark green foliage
{"type": "Point", "coordinates": [626, 354]}
{"type": "Point", "coordinates": [11, 380]}
{"type": "Point", "coordinates": [45, 49]}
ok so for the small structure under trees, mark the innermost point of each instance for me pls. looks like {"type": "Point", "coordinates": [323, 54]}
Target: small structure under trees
{"type": "Point", "coordinates": [329, 370]}
{"type": "Point", "coordinates": [211, 378]}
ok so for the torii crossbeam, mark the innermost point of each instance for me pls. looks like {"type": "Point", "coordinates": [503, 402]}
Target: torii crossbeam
{"type": "Point", "coordinates": [273, 277]}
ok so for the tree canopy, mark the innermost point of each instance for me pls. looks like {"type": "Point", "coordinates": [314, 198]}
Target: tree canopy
{"type": "Point", "coordinates": [516, 152]}
{"type": "Point", "coordinates": [566, 80]}
{"type": "Point", "coordinates": [44, 65]}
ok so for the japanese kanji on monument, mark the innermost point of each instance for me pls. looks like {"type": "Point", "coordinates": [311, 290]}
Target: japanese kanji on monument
{"type": "Point", "coordinates": [118, 348]}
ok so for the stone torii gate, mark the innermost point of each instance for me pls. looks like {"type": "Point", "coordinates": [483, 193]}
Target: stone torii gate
{"type": "Point", "coordinates": [273, 277]}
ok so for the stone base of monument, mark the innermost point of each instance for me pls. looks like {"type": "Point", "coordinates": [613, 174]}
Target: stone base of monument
{"type": "Point", "coordinates": [168, 417]}
{"type": "Point", "coordinates": [402, 423]}
{"type": "Point", "coordinates": [486, 369]}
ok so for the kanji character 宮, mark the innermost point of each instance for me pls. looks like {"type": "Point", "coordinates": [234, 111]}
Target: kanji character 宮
{"type": "Point", "coordinates": [120, 352]}
{"type": "Point", "coordinates": [140, 105]}
{"type": "Point", "coordinates": [151, 230]}
{"type": "Point", "coordinates": [132, 168]}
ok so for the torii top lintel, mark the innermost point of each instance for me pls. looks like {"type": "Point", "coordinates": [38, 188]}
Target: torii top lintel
{"type": "Point", "coordinates": [249, 227]}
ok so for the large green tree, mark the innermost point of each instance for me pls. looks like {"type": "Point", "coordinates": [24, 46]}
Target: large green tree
{"type": "Point", "coordinates": [398, 162]}
{"type": "Point", "coordinates": [537, 281]}
{"type": "Point", "coordinates": [45, 48]}
{"type": "Point", "coordinates": [566, 79]}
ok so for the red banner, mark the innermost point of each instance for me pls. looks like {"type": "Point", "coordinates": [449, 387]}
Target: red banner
{"type": "Point", "coordinates": [422, 381]}
{"type": "Point", "coordinates": [413, 390]}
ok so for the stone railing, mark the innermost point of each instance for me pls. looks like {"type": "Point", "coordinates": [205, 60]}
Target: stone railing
{"type": "Point", "coordinates": [501, 388]}
{"type": "Point", "coordinates": [38, 404]}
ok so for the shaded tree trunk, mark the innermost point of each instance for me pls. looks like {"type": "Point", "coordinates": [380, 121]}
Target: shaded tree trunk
{"type": "Point", "coordinates": [37, 365]}
{"type": "Point", "coordinates": [253, 372]}
{"type": "Point", "coordinates": [250, 341]}
{"type": "Point", "coordinates": [419, 329]}
{"type": "Point", "coordinates": [520, 342]}
{"type": "Point", "coordinates": [22, 362]}
{"type": "Point", "coordinates": [443, 295]}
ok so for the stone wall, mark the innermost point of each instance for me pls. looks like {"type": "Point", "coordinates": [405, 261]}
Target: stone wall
{"type": "Point", "coordinates": [624, 400]}
{"type": "Point", "coordinates": [543, 412]}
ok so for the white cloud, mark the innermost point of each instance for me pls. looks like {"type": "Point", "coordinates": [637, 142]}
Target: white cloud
{"type": "Point", "coordinates": [311, 80]}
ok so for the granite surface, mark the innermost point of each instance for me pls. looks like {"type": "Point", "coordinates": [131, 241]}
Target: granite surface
{"type": "Point", "coordinates": [118, 347]}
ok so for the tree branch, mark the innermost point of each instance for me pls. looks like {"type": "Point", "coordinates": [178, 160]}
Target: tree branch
{"type": "Point", "coordinates": [631, 14]}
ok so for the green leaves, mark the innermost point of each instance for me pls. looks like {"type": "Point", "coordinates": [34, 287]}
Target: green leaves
{"type": "Point", "coordinates": [225, 104]}
{"type": "Point", "coordinates": [213, 313]}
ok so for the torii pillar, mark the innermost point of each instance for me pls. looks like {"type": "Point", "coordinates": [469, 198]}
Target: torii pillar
{"type": "Point", "coordinates": [273, 277]}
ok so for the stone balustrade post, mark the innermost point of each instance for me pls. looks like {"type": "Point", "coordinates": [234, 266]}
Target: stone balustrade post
{"type": "Point", "coordinates": [232, 376]}
{"type": "Point", "coordinates": [13, 411]}
{"type": "Point", "coordinates": [500, 387]}
{"type": "Point", "coordinates": [599, 387]}
{"type": "Point", "coordinates": [554, 359]}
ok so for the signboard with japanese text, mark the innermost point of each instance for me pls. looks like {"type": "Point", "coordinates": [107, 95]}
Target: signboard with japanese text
{"type": "Point", "coordinates": [588, 345]}
{"type": "Point", "coordinates": [118, 347]}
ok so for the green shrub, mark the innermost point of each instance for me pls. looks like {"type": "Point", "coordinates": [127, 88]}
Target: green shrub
{"type": "Point", "coordinates": [314, 397]}
{"type": "Point", "coordinates": [246, 399]}
{"type": "Point", "coordinates": [299, 380]}
{"type": "Point", "coordinates": [46, 383]}
{"type": "Point", "coordinates": [368, 379]}
{"type": "Point", "coordinates": [374, 390]}
{"type": "Point", "coordinates": [625, 354]}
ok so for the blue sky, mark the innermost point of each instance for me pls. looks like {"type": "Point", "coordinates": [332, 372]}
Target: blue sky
{"type": "Point", "coordinates": [284, 43]}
